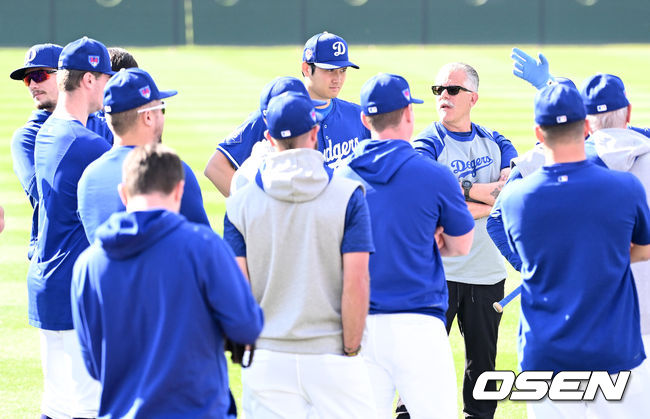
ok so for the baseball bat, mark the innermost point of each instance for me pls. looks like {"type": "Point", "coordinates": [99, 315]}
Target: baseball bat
{"type": "Point", "coordinates": [498, 306]}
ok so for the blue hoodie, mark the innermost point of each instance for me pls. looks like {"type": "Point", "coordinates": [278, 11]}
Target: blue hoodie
{"type": "Point", "coordinates": [408, 195]}
{"type": "Point", "coordinates": [151, 301]}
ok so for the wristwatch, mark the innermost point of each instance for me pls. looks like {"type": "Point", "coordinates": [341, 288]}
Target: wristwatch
{"type": "Point", "coordinates": [466, 185]}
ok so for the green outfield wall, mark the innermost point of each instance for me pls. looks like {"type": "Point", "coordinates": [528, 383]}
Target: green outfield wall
{"type": "Point", "coordinates": [278, 22]}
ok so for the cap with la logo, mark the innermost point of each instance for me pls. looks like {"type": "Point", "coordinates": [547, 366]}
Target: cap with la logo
{"type": "Point", "coordinates": [327, 51]}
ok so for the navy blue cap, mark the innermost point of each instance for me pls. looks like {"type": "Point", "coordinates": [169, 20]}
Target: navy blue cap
{"type": "Point", "coordinates": [603, 93]}
{"type": "Point", "coordinates": [385, 93]}
{"type": "Point", "coordinates": [558, 104]}
{"type": "Point", "coordinates": [290, 114]}
{"type": "Point", "coordinates": [327, 51]}
{"type": "Point", "coordinates": [40, 55]}
{"type": "Point", "coordinates": [131, 88]}
{"type": "Point", "coordinates": [280, 85]}
{"type": "Point", "coordinates": [86, 54]}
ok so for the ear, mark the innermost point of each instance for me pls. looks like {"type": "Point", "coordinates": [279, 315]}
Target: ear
{"type": "Point", "coordinates": [538, 134]}
{"type": "Point", "coordinates": [121, 190]}
{"type": "Point", "coordinates": [146, 118]}
{"type": "Point", "coordinates": [267, 135]}
{"type": "Point", "coordinates": [305, 69]}
{"type": "Point", "coordinates": [313, 135]}
{"type": "Point", "coordinates": [409, 114]}
{"type": "Point", "coordinates": [588, 130]}
{"type": "Point", "coordinates": [364, 121]}
{"type": "Point", "coordinates": [629, 112]}
{"type": "Point", "coordinates": [178, 192]}
{"type": "Point", "coordinates": [474, 98]}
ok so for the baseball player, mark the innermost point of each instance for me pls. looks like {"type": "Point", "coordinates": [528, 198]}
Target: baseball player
{"type": "Point", "coordinates": [153, 298]}
{"type": "Point", "coordinates": [410, 200]}
{"type": "Point", "coordinates": [610, 144]}
{"type": "Point", "coordinates": [579, 307]}
{"type": "Point", "coordinates": [121, 58]}
{"type": "Point", "coordinates": [39, 75]}
{"type": "Point", "coordinates": [324, 65]}
{"type": "Point", "coordinates": [480, 159]}
{"type": "Point", "coordinates": [536, 72]}
{"type": "Point", "coordinates": [303, 238]}
{"type": "Point", "coordinates": [135, 113]}
{"type": "Point", "coordinates": [64, 147]}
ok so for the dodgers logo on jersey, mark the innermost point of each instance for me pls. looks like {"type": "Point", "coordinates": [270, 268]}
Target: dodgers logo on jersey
{"type": "Point", "coordinates": [464, 168]}
{"type": "Point", "coordinates": [145, 92]}
{"type": "Point", "coordinates": [339, 48]}
{"type": "Point", "coordinates": [93, 60]}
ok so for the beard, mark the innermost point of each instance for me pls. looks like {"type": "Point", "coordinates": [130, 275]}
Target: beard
{"type": "Point", "coordinates": [46, 105]}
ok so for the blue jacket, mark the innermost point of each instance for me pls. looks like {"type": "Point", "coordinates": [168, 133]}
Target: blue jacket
{"type": "Point", "coordinates": [152, 299]}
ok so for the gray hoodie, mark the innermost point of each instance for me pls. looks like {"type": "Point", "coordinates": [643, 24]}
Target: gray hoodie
{"type": "Point", "coordinates": [626, 150]}
{"type": "Point", "coordinates": [292, 218]}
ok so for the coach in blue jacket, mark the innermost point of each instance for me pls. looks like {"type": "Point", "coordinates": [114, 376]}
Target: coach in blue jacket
{"type": "Point", "coordinates": [153, 297]}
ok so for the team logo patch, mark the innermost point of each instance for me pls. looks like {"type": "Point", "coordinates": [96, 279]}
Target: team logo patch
{"type": "Point", "coordinates": [93, 60]}
{"type": "Point", "coordinates": [339, 48]}
{"type": "Point", "coordinates": [31, 54]}
{"type": "Point", "coordinates": [406, 94]}
{"type": "Point", "coordinates": [145, 92]}
{"type": "Point", "coordinates": [561, 119]}
{"type": "Point", "coordinates": [309, 54]}
{"type": "Point", "coordinates": [372, 109]}
{"type": "Point", "coordinates": [601, 108]}
{"type": "Point", "coordinates": [313, 115]}
{"type": "Point", "coordinates": [563, 178]}
{"type": "Point", "coordinates": [285, 134]}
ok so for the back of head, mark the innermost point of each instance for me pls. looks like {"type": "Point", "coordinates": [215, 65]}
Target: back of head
{"type": "Point", "coordinates": [79, 57]}
{"type": "Point", "coordinates": [289, 118]}
{"type": "Point", "coordinates": [384, 98]}
{"type": "Point", "coordinates": [560, 113]}
{"type": "Point", "coordinates": [606, 102]}
{"type": "Point", "coordinates": [127, 91]}
{"type": "Point", "coordinates": [121, 58]}
{"type": "Point", "coordinates": [151, 169]}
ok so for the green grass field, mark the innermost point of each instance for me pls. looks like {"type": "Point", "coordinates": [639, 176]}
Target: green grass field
{"type": "Point", "coordinates": [218, 87]}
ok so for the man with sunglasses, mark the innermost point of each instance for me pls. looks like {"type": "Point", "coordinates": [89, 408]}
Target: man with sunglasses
{"type": "Point", "coordinates": [39, 75]}
{"type": "Point", "coordinates": [480, 160]}
{"type": "Point", "coordinates": [135, 113]}
{"type": "Point", "coordinates": [64, 147]}
{"type": "Point", "coordinates": [324, 65]}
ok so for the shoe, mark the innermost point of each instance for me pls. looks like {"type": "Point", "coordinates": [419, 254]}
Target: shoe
{"type": "Point", "coordinates": [401, 412]}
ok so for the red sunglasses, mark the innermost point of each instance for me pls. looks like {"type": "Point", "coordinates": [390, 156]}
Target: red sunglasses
{"type": "Point", "coordinates": [39, 76]}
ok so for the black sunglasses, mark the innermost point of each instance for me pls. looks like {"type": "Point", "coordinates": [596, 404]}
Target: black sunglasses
{"type": "Point", "coordinates": [452, 90]}
{"type": "Point", "coordinates": [38, 76]}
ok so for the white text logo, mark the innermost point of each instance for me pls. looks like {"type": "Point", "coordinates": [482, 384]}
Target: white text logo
{"type": "Point", "coordinates": [566, 385]}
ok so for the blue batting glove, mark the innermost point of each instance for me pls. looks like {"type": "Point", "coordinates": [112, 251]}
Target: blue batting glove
{"type": "Point", "coordinates": [528, 68]}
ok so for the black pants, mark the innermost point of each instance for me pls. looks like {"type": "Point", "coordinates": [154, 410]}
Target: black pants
{"type": "Point", "coordinates": [479, 326]}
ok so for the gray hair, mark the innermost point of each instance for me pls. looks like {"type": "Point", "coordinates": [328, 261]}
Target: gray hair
{"type": "Point", "coordinates": [470, 74]}
{"type": "Point", "coordinates": [611, 119]}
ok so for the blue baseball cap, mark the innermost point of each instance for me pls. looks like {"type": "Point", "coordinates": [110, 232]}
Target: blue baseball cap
{"type": "Point", "coordinates": [131, 88]}
{"type": "Point", "coordinates": [603, 93]}
{"type": "Point", "coordinates": [40, 55]}
{"type": "Point", "coordinates": [558, 104]}
{"type": "Point", "coordinates": [564, 80]}
{"type": "Point", "coordinates": [280, 85]}
{"type": "Point", "coordinates": [385, 93]}
{"type": "Point", "coordinates": [327, 51]}
{"type": "Point", "coordinates": [290, 114]}
{"type": "Point", "coordinates": [86, 54]}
